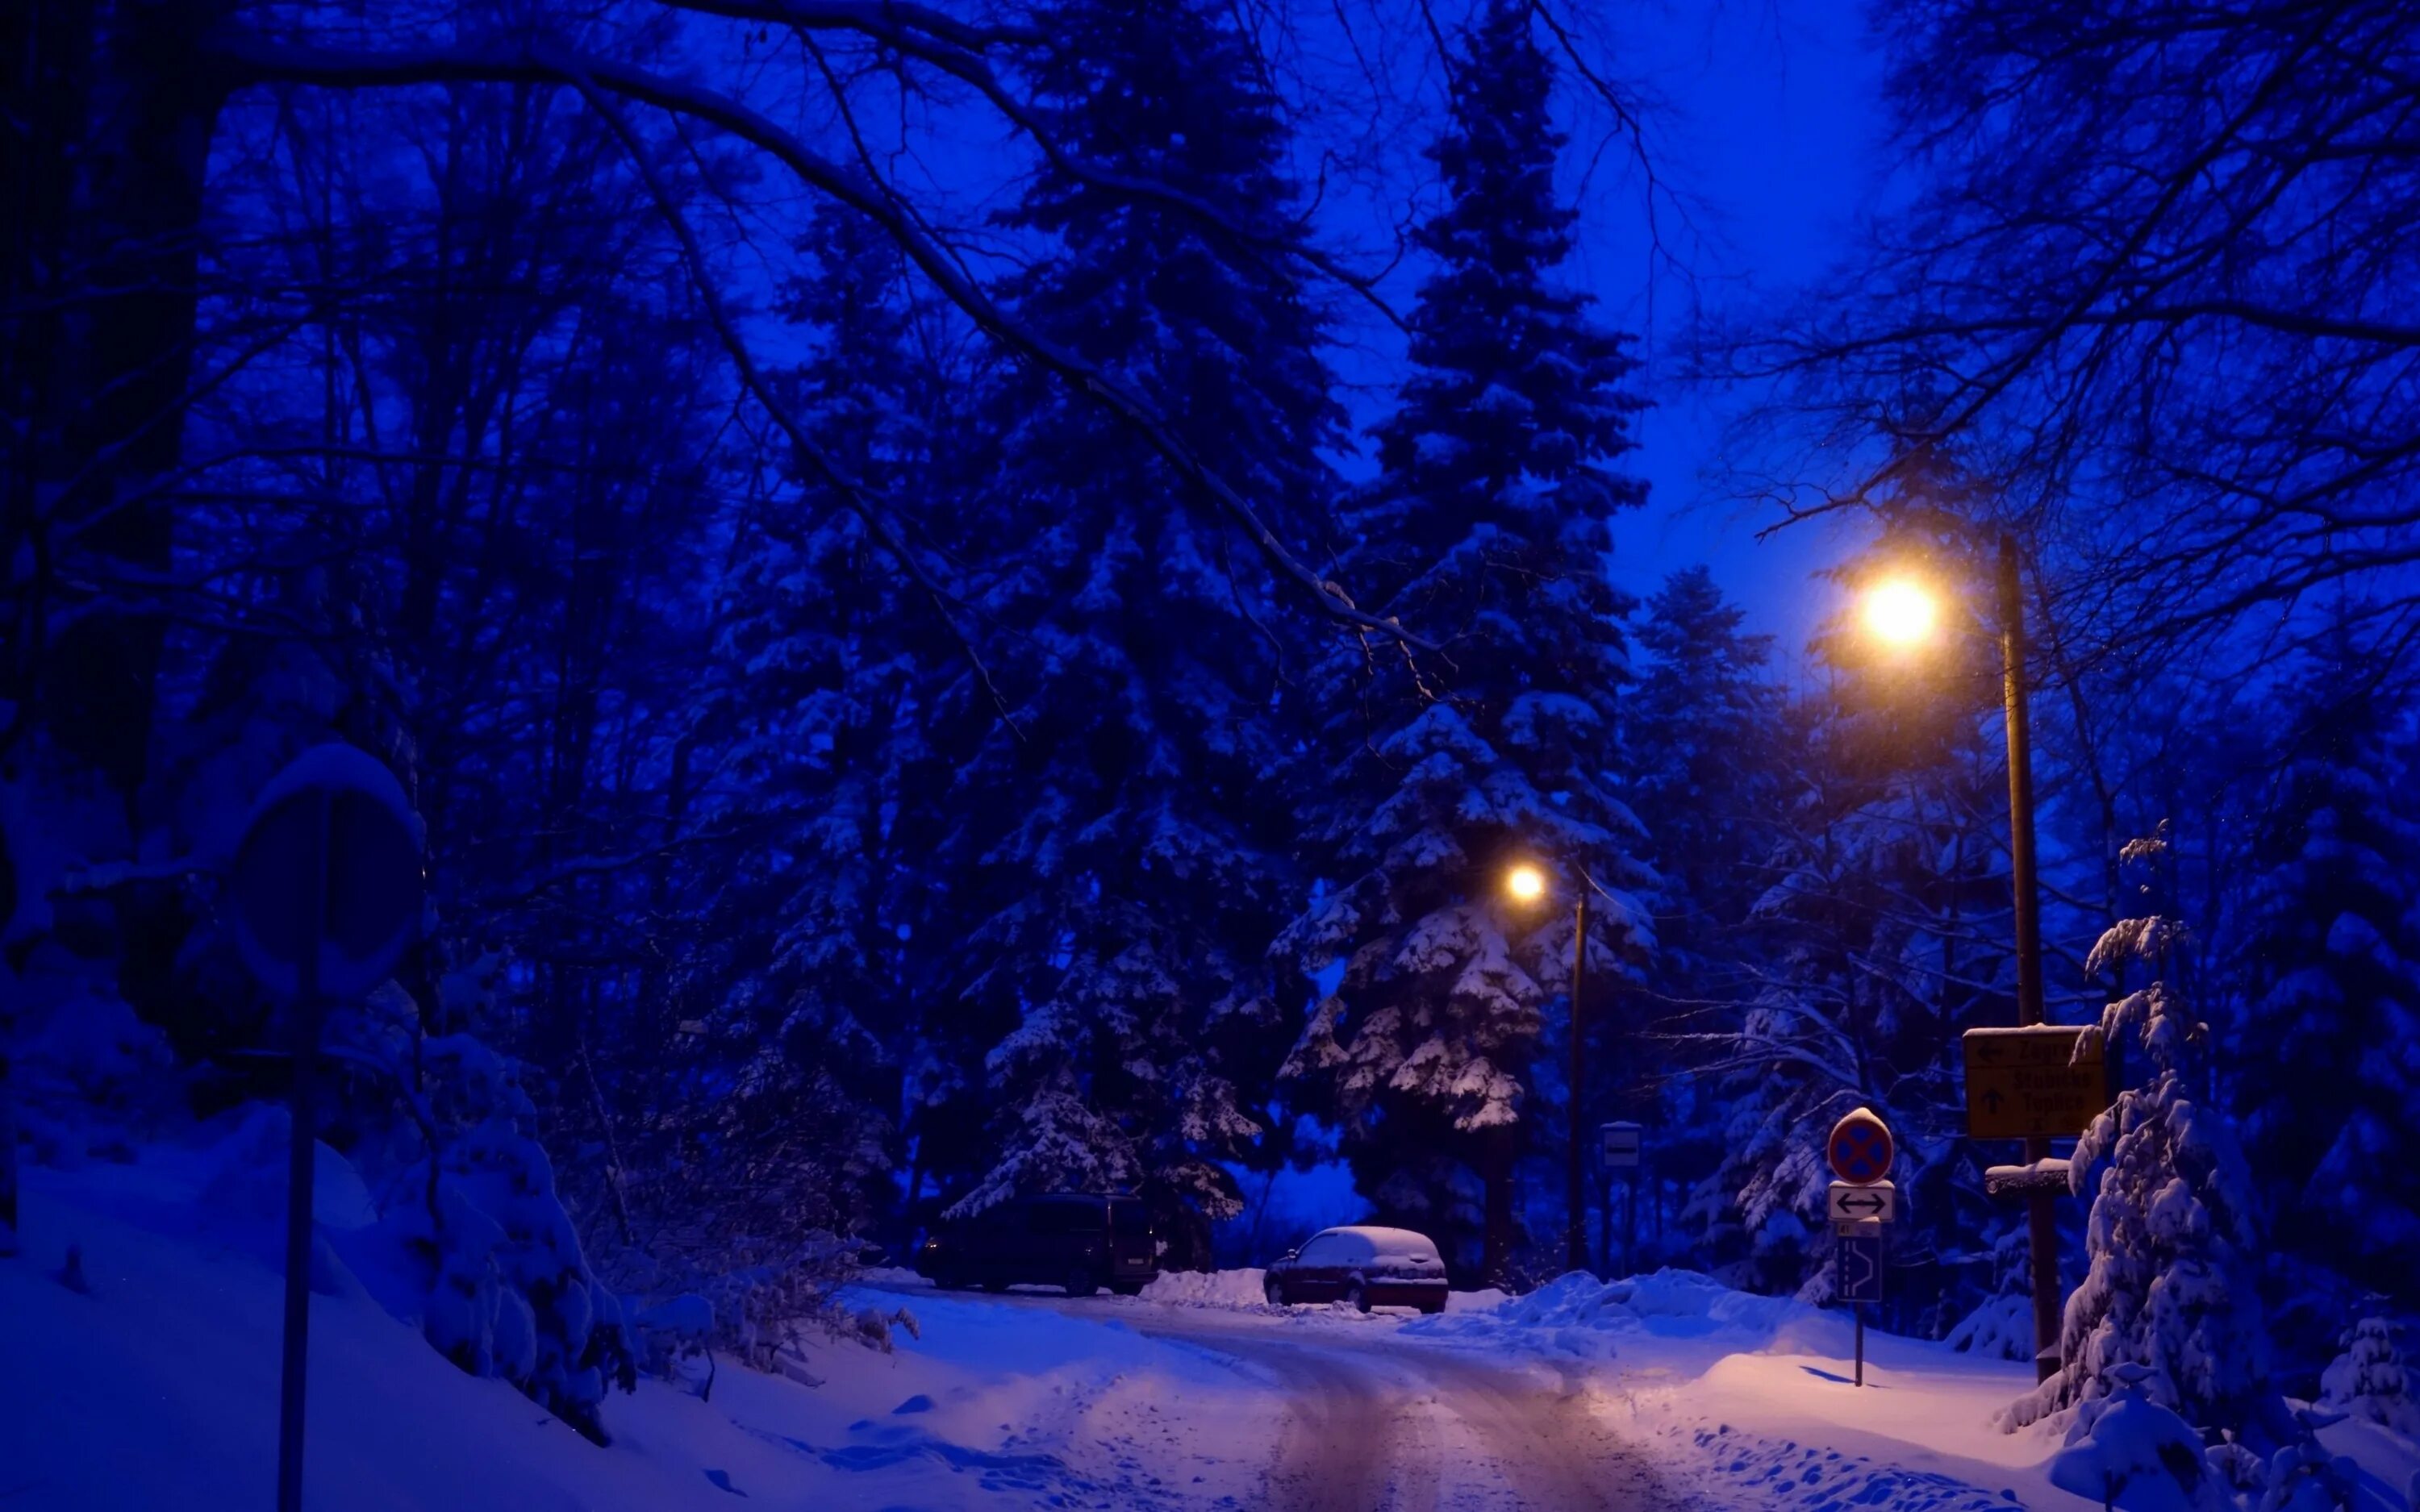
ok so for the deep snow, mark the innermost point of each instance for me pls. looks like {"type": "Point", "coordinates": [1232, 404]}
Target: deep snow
{"type": "Point", "coordinates": [157, 1387]}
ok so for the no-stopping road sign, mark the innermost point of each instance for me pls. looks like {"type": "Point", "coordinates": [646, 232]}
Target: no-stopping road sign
{"type": "Point", "coordinates": [1860, 1149]}
{"type": "Point", "coordinates": [329, 872]}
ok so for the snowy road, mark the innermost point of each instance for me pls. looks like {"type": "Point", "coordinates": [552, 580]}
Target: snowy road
{"type": "Point", "coordinates": [1372, 1420]}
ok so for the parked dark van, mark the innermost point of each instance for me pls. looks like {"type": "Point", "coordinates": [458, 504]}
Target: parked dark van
{"type": "Point", "coordinates": [1061, 1238]}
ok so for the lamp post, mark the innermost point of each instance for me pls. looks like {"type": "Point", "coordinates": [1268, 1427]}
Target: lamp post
{"type": "Point", "coordinates": [1527, 885]}
{"type": "Point", "coordinates": [1901, 611]}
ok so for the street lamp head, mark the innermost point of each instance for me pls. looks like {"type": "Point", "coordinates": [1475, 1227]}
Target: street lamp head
{"type": "Point", "coordinates": [1900, 611]}
{"type": "Point", "coordinates": [1526, 882]}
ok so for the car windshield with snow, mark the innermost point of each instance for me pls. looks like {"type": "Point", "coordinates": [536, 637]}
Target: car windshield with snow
{"type": "Point", "coordinates": [1363, 1265]}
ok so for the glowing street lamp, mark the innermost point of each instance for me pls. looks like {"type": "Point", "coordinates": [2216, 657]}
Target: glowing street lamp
{"type": "Point", "coordinates": [1900, 612]}
{"type": "Point", "coordinates": [1526, 884]}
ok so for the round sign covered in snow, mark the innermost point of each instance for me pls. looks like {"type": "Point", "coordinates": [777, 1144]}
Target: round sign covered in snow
{"type": "Point", "coordinates": [1860, 1149]}
{"type": "Point", "coordinates": [331, 858]}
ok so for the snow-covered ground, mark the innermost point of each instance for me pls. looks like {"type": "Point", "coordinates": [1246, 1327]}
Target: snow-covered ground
{"type": "Point", "coordinates": [157, 1387]}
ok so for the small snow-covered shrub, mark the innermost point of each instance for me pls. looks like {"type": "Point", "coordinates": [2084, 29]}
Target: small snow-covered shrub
{"type": "Point", "coordinates": [755, 1312]}
{"type": "Point", "coordinates": [2370, 1380]}
{"type": "Point", "coordinates": [2141, 1457]}
{"type": "Point", "coordinates": [2305, 1477]}
{"type": "Point", "coordinates": [875, 1327]}
{"type": "Point", "coordinates": [675, 1341]}
{"type": "Point", "coordinates": [83, 1068]}
{"type": "Point", "coordinates": [509, 1291]}
{"type": "Point", "coordinates": [2129, 1452]}
{"type": "Point", "coordinates": [2001, 1328]}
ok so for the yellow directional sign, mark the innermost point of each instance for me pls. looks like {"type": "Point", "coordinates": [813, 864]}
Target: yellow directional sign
{"type": "Point", "coordinates": [2029, 1083]}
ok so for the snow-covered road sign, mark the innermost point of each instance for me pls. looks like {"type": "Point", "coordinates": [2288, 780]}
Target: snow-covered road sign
{"type": "Point", "coordinates": [1860, 1148]}
{"type": "Point", "coordinates": [2031, 1083]}
{"type": "Point", "coordinates": [1619, 1143]}
{"type": "Point", "coordinates": [1860, 1260]}
{"type": "Point", "coordinates": [1849, 1201]}
{"type": "Point", "coordinates": [329, 872]}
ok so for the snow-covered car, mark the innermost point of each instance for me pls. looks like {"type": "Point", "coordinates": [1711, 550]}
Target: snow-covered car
{"type": "Point", "coordinates": [1364, 1265]}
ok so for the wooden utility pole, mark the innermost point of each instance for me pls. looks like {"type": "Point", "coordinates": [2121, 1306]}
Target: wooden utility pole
{"type": "Point", "coordinates": [1575, 1256]}
{"type": "Point", "coordinates": [2041, 1220]}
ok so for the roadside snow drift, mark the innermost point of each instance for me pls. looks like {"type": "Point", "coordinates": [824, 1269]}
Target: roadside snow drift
{"type": "Point", "coordinates": [157, 1387]}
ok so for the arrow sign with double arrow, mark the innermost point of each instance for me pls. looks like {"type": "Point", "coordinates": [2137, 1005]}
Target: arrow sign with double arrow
{"type": "Point", "coordinates": [1849, 1201]}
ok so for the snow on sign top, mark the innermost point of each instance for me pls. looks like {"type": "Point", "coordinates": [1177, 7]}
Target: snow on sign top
{"type": "Point", "coordinates": [1860, 1148]}
{"type": "Point", "coordinates": [331, 858]}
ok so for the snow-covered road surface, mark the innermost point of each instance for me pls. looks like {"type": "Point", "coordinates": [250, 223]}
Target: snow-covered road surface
{"type": "Point", "coordinates": [1361, 1419]}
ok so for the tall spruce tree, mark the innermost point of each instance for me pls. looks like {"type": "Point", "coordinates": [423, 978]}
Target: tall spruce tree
{"type": "Point", "coordinates": [797, 1018]}
{"type": "Point", "coordinates": [1490, 528]}
{"type": "Point", "coordinates": [2329, 1083]}
{"type": "Point", "coordinates": [1120, 855]}
{"type": "Point", "coordinates": [1702, 742]}
{"type": "Point", "coordinates": [1703, 725]}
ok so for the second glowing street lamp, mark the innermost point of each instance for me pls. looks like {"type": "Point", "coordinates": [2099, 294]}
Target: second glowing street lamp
{"type": "Point", "coordinates": [1903, 612]}
{"type": "Point", "coordinates": [1527, 885]}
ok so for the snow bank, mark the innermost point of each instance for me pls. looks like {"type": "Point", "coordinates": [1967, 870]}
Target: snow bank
{"type": "Point", "coordinates": [1209, 1288]}
{"type": "Point", "coordinates": [1576, 1314]}
{"type": "Point", "coordinates": [156, 1386]}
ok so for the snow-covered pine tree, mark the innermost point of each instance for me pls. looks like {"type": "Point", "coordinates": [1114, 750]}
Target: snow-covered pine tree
{"type": "Point", "coordinates": [1489, 529]}
{"type": "Point", "coordinates": [2170, 1292]}
{"type": "Point", "coordinates": [1701, 732]}
{"type": "Point", "coordinates": [2328, 1084]}
{"type": "Point", "coordinates": [1702, 745]}
{"type": "Point", "coordinates": [795, 1011]}
{"type": "Point", "coordinates": [1121, 865]}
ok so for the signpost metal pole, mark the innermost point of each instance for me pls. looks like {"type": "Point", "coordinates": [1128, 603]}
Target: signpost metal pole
{"type": "Point", "coordinates": [1575, 1188]}
{"type": "Point", "coordinates": [1630, 1225]}
{"type": "Point", "coordinates": [1861, 1152]}
{"type": "Point", "coordinates": [1620, 1143]}
{"type": "Point", "coordinates": [323, 892]}
{"type": "Point", "coordinates": [2041, 1222]}
{"type": "Point", "coordinates": [302, 1107]}
{"type": "Point", "coordinates": [1605, 1225]}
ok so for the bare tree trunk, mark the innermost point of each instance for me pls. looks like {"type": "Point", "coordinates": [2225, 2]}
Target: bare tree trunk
{"type": "Point", "coordinates": [140, 119]}
{"type": "Point", "coordinates": [108, 136]}
{"type": "Point", "coordinates": [7, 1153]}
